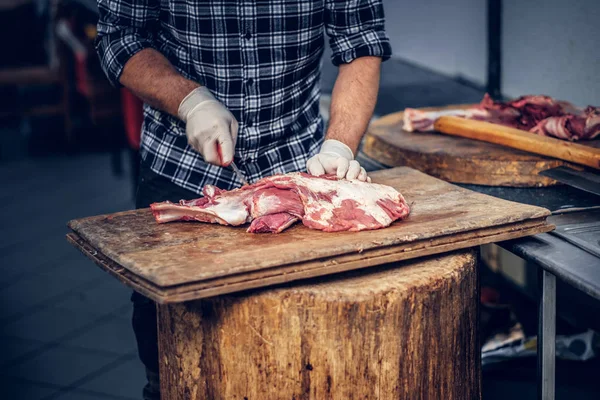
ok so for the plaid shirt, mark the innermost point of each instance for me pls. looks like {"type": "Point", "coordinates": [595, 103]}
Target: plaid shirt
{"type": "Point", "coordinates": [261, 59]}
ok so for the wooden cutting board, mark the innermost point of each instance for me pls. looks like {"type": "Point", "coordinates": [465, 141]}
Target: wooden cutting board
{"type": "Point", "coordinates": [183, 261]}
{"type": "Point", "coordinates": [457, 159]}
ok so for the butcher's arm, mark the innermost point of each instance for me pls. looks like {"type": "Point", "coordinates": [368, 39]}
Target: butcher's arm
{"type": "Point", "coordinates": [359, 44]}
{"type": "Point", "coordinates": [150, 76]}
{"type": "Point", "coordinates": [211, 128]}
{"type": "Point", "coordinates": [128, 56]}
{"type": "Point", "coordinates": [353, 100]}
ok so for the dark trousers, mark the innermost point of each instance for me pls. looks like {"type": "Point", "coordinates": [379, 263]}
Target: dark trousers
{"type": "Point", "coordinates": [151, 188]}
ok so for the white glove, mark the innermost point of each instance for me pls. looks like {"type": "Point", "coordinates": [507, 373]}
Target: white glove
{"type": "Point", "coordinates": [210, 127]}
{"type": "Point", "coordinates": [336, 158]}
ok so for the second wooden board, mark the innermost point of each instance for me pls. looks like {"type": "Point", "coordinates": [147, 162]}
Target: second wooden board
{"type": "Point", "coordinates": [457, 159]}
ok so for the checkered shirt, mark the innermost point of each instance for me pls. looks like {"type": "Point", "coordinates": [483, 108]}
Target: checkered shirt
{"type": "Point", "coordinates": [261, 59]}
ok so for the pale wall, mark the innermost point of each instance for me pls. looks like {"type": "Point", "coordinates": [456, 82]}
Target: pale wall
{"type": "Point", "coordinates": [549, 46]}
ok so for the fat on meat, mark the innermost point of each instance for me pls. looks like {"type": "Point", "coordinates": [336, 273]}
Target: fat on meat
{"type": "Point", "coordinates": [538, 114]}
{"type": "Point", "coordinates": [274, 203]}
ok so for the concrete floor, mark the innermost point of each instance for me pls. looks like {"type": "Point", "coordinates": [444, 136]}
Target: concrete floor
{"type": "Point", "coordinates": [64, 324]}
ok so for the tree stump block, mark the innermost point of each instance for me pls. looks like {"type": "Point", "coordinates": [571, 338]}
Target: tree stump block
{"type": "Point", "coordinates": [402, 331]}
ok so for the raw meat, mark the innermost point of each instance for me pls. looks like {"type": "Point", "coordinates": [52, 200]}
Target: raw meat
{"type": "Point", "coordinates": [592, 122]}
{"type": "Point", "coordinates": [539, 114]}
{"type": "Point", "coordinates": [274, 223]}
{"type": "Point", "coordinates": [275, 203]}
{"type": "Point", "coordinates": [422, 121]}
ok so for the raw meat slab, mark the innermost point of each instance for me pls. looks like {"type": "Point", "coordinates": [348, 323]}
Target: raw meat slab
{"type": "Point", "coordinates": [183, 261]}
{"type": "Point", "coordinates": [273, 204]}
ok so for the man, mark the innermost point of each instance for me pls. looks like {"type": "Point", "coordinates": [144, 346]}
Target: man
{"type": "Point", "coordinates": [227, 80]}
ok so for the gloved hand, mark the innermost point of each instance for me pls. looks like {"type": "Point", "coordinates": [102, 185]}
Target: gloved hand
{"type": "Point", "coordinates": [210, 127]}
{"type": "Point", "coordinates": [336, 158]}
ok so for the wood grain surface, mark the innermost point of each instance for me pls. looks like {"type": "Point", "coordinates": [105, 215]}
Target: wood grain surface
{"type": "Point", "coordinates": [457, 159]}
{"type": "Point", "coordinates": [186, 260]}
{"type": "Point", "coordinates": [400, 331]}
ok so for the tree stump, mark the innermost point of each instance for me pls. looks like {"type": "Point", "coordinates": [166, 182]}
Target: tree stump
{"type": "Point", "coordinates": [402, 331]}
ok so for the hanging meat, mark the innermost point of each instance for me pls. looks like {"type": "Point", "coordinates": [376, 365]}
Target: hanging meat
{"type": "Point", "coordinates": [273, 204]}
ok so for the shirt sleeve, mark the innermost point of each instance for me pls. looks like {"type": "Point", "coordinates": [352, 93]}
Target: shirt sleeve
{"type": "Point", "coordinates": [124, 28]}
{"type": "Point", "coordinates": [356, 29]}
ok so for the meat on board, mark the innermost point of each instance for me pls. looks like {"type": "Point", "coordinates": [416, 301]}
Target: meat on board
{"type": "Point", "coordinates": [273, 204]}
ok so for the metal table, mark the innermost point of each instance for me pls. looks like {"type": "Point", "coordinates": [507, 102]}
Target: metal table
{"type": "Point", "coordinates": [562, 259]}
{"type": "Point", "coordinates": [560, 254]}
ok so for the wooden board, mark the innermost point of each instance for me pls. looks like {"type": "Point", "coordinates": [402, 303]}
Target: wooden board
{"type": "Point", "coordinates": [457, 159]}
{"type": "Point", "coordinates": [189, 260]}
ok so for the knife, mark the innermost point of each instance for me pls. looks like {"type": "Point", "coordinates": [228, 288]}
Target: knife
{"type": "Point", "coordinates": [583, 180]}
{"type": "Point", "coordinates": [239, 174]}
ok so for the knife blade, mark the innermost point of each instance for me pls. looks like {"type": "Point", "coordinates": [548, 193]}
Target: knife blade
{"type": "Point", "coordinates": [239, 173]}
{"type": "Point", "coordinates": [583, 180]}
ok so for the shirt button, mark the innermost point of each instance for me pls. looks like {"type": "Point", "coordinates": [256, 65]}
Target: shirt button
{"type": "Point", "coordinates": [250, 123]}
{"type": "Point", "coordinates": [248, 36]}
{"type": "Point", "coordinates": [250, 81]}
